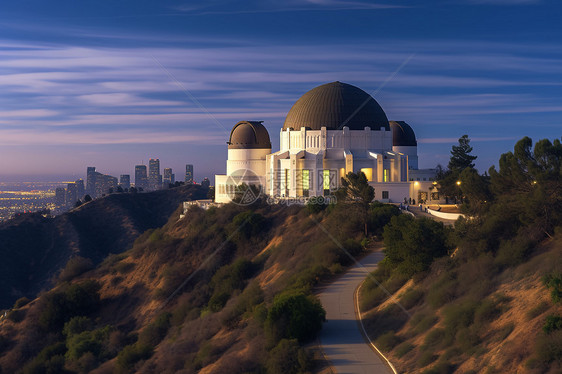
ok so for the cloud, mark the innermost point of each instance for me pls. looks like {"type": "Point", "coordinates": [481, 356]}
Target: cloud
{"type": "Point", "coordinates": [472, 139]}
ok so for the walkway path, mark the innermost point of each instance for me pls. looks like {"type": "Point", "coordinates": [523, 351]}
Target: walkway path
{"type": "Point", "coordinates": [341, 339]}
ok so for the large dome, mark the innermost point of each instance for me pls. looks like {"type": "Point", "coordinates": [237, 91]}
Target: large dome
{"type": "Point", "coordinates": [335, 105]}
{"type": "Point", "coordinates": [249, 135]}
{"type": "Point", "coordinates": [402, 134]}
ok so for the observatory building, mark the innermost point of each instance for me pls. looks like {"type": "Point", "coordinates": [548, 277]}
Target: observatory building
{"type": "Point", "coordinates": [333, 129]}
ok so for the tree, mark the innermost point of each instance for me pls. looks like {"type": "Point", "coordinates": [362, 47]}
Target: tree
{"type": "Point", "coordinates": [529, 183]}
{"type": "Point", "coordinates": [412, 244]}
{"type": "Point", "coordinates": [356, 190]}
{"type": "Point", "coordinates": [295, 315]}
{"type": "Point", "coordinates": [87, 198]}
{"type": "Point", "coordinates": [460, 159]}
{"type": "Point", "coordinates": [460, 155]}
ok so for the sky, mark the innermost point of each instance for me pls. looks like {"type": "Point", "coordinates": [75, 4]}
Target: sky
{"type": "Point", "coordinates": [113, 83]}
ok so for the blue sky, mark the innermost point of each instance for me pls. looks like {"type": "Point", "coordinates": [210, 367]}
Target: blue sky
{"type": "Point", "coordinates": [113, 84]}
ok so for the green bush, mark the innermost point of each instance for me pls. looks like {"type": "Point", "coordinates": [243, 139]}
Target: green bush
{"type": "Point", "coordinates": [387, 341]}
{"type": "Point", "coordinates": [434, 338]}
{"type": "Point", "coordinates": [154, 332]}
{"type": "Point", "coordinates": [459, 315]}
{"type": "Point", "coordinates": [61, 305]}
{"type": "Point", "coordinates": [554, 283]}
{"type": "Point", "coordinates": [426, 358]}
{"type": "Point", "coordinates": [412, 244]}
{"type": "Point", "coordinates": [486, 312]}
{"type": "Point", "coordinates": [227, 279]}
{"type": "Point", "coordinates": [442, 291]}
{"type": "Point", "coordinates": [295, 315]}
{"type": "Point", "coordinates": [552, 323]}
{"type": "Point", "coordinates": [287, 358]}
{"type": "Point", "coordinates": [75, 267]}
{"type": "Point", "coordinates": [76, 325]}
{"type": "Point", "coordinates": [403, 348]}
{"type": "Point", "coordinates": [93, 341]}
{"type": "Point", "coordinates": [130, 355]}
{"type": "Point", "coordinates": [411, 298]}
{"type": "Point", "coordinates": [467, 340]}
{"type": "Point", "coordinates": [49, 360]}
{"type": "Point", "coordinates": [422, 322]}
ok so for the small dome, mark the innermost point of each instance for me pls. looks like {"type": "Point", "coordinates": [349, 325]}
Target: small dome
{"type": "Point", "coordinates": [249, 135]}
{"type": "Point", "coordinates": [402, 134]}
{"type": "Point", "coordinates": [335, 105]}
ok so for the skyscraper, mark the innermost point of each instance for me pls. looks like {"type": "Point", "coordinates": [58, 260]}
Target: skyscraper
{"type": "Point", "coordinates": [60, 198]}
{"type": "Point", "coordinates": [141, 179]}
{"type": "Point", "coordinates": [91, 180]}
{"type": "Point", "coordinates": [154, 177]}
{"type": "Point", "coordinates": [125, 181]}
{"type": "Point", "coordinates": [70, 195]}
{"type": "Point", "coordinates": [169, 178]}
{"type": "Point", "coordinates": [80, 191]}
{"type": "Point", "coordinates": [188, 174]}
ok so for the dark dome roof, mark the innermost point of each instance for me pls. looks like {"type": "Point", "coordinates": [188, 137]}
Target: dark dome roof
{"type": "Point", "coordinates": [249, 134]}
{"type": "Point", "coordinates": [402, 134]}
{"type": "Point", "coordinates": [335, 105]}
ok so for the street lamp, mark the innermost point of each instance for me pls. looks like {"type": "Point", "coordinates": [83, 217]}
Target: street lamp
{"type": "Point", "coordinates": [458, 183]}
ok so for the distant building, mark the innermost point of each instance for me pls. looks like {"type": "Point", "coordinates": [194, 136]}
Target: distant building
{"type": "Point", "coordinates": [97, 184]}
{"type": "Point", "coordinates": [169, 178]}
{"type": "Point", "coordinates": [125, 181]}
{"type": "Point", "coordinates": [205, 182]}
{"type": "Point", "coordinates": [60, 198]}
{"type": "Point", "coordinates": [141, 178]}
{"type": "Point", "coordinates": [105, 184]}
{"type": "Point", "coordinates": [154, 176]}
{"type": "Point", "coordinates": [188, 174]}
{"type": "Point", "coordinates": [91, 180]}
{"type": "Point", "coordinates": [80, 190]}
{"type": "Point", "coordinates": [70, 195]}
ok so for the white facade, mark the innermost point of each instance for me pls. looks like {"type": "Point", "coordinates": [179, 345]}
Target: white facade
{"type": "Point", "coordinates": [312, 160]}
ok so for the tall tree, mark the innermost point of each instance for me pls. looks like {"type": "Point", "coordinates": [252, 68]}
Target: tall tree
{"type": "Point", "coordinates": [356, 190]}
{"type": "Point", "coordinates": [460, 155]}
{"type": "Point", "coordinates": [461, 159]}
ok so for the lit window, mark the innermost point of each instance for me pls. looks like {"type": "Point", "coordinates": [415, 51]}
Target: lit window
{"type": "Point", "coordinates": [306, 179]}
{"type": "Point", "coordinates": [386, 175]}
{"type": "Point", "coordinates": [326, 177]}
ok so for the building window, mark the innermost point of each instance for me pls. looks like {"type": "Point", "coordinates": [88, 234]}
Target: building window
{"type": "Point", "coordinates": [424, 179]}
{"type": "Point", "coordinates": [385, 194]}
{"type": "Point", "coordinates": [326, 181]}
{"type": "Point", "coordinates": [306, 179]}
{"type": "Point", "coordinates": [386, 175]}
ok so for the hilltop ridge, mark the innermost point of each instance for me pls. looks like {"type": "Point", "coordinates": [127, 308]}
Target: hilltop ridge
{"type": "Point", "coordinates": [34, 248]}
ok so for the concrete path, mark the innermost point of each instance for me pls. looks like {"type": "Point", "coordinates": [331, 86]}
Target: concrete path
{"type": "Point", "coordinates": [341, 339]}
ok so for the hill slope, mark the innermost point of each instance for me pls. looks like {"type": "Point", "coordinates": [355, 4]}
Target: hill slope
{"type": "Point", "coordinates": [34, 248]}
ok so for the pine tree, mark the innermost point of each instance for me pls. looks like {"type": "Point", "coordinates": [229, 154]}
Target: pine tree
{"type": "Point", "coordinates": [460, 155]}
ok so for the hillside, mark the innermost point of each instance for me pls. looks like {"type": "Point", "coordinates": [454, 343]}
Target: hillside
{"type": "Point", "coordinates": [484, 297]}
{"type": "Point", "coordinates": [223, 290]}
{"type": "Point", "coordinates": [34, 248]}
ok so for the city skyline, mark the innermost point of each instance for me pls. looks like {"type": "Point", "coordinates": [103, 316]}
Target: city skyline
{"type": "Point", "coordinates": [113, 85]}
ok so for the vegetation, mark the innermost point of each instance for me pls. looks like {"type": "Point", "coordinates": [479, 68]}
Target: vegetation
{"type": "Point", "coordinates": [456, 279]}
